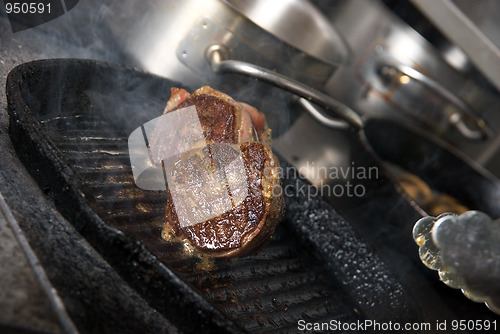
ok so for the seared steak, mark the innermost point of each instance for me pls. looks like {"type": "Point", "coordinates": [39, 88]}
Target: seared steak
{"type": "Point", "coordinates": [222, 118]}
{"type": "Point", "coordinates": [251, 218]}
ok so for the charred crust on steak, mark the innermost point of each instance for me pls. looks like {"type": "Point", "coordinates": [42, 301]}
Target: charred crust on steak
{"type": "Point", "coordinates": [223, 119]}
{"type": "Point", "coordinates": [248, 225]}
{"type": "Point", "coordinates": [217, 118]}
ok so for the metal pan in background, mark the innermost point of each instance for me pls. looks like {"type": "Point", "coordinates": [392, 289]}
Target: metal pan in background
{"type": "Point", "coordinates": [164, 38]}
{"type": "Point", "coordinates": [298, 23]}
{"type": "Point", "coordinates": [403, 68]}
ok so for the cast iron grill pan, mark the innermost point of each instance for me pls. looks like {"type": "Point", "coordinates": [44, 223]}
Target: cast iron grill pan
{"type": "Point", "coordinates": [69, 123]}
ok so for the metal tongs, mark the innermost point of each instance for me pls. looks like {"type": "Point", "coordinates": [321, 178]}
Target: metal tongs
{"type": "Point", "coordinates": [465, 250]}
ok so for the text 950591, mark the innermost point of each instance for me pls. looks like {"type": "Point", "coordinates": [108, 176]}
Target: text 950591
{"type": "Point", "coordinates": [27, 7]}
{"type": "Point", "coordinates": [28, 14]}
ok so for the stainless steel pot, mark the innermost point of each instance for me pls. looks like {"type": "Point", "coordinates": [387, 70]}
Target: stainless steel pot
{"type": "Point", "coordinates": [397, 73]}
{"type": "Point", "coordinates": [298, 23]}
{"type": "Point", "coordinates": [291, 37]}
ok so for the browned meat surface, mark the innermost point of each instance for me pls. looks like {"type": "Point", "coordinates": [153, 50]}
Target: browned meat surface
{"type": "Point", "coordinates": [223, 119]}
{"type": "Point", "coordinates": [248, 224]}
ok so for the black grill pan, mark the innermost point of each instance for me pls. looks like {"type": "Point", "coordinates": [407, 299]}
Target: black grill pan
{"type": "Point", "coordinates": [69, 122]}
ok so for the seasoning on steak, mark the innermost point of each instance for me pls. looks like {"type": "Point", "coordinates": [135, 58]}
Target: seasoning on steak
{"type": "Point", "coordinates": [250, 182]}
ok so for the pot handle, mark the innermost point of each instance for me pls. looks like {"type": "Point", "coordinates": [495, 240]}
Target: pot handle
{"type": "Point", "coordinates": [482, 130]}
{"type": "Point", "coordinates": [217, 56]}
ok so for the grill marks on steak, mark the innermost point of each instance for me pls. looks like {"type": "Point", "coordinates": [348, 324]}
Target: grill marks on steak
{"type": "Point", "coordinates": [223, 119]}
{"type": "Point", "coordinates": [248, 225]}
{"type": "Point", "coordinates": [218, 120]}
{"type": "Point", "coordinates": [227, 231]}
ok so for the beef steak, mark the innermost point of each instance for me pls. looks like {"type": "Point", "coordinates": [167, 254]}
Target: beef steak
{"type": "Point", "coordinates": [251, 218]}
